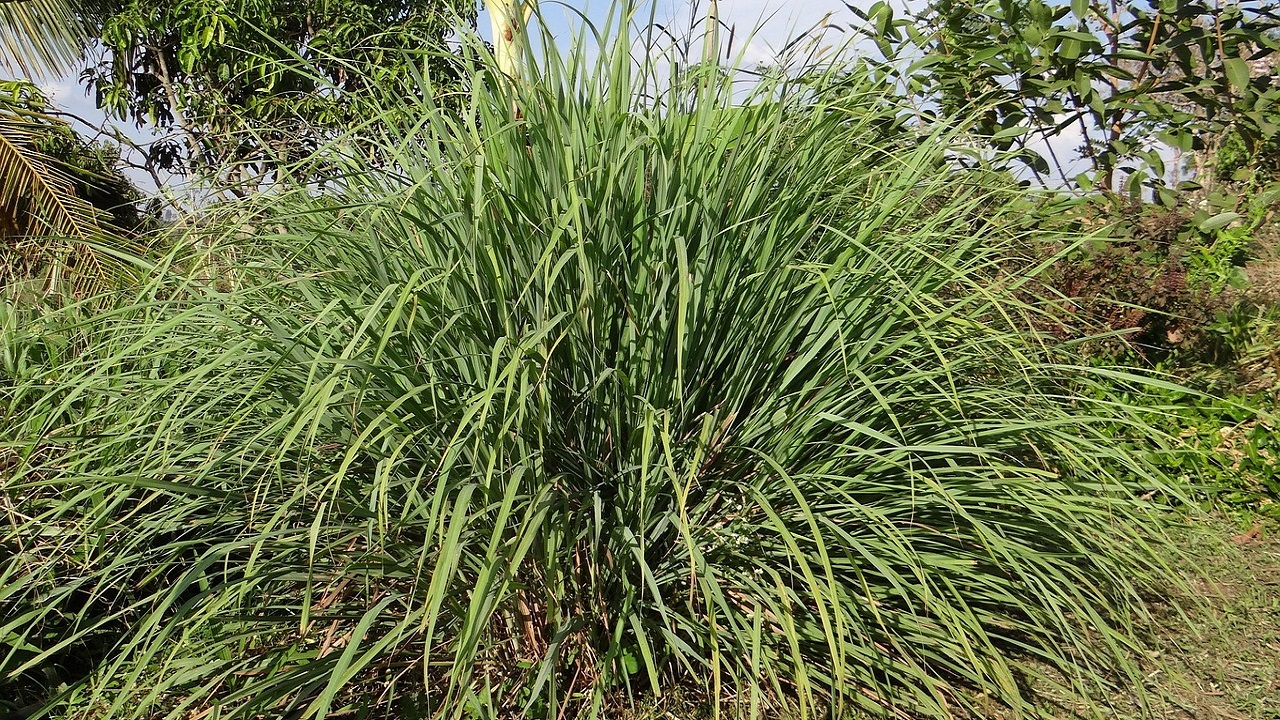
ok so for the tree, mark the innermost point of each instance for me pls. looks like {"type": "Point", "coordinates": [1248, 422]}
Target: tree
{"type": "Point", "coordinates": [250, 85]}
{"type": "Point", "coordinates": [244, 86]}
{"type": "Point", "coordinates": [1121, 74]}
{"type": "Point", "coordinates": [37, 38]}
{"type": "Point", "coordinates": [60, 197]}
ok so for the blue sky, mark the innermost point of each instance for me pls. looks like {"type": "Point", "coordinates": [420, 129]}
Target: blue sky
{"type": "Point", "coordinates": [765, 25]}
{"type": "Point", "coordinates": [775, 22]}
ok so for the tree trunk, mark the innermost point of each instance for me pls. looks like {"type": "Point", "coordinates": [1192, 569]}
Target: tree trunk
{"type": "Point", "coordinates": [507, 18]}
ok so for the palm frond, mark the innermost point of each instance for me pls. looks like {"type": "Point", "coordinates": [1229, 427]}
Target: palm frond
{"type": "Point", "coordinates": [43, 38]}
{"type": "Point", "coordinates": [38, 199]}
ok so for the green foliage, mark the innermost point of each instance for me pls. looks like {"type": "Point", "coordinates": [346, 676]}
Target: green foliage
{"type": "Point", "coordinates": [1226, 226]}
{"type": "Point", "coordinates": [1235, 160]}
{"type": "Point", "coordinates": [1225, 442]}
{"type": "Point", "coordinates": [1160, 279]}
{"type": "Point", "coordinates": [606, 385]}
{"type": "Point", "coordinates": [1217, 260]}
{"type": "Point", "coordinates": [94, 166]}
{"type": "Point", "coordinates": [1227, 449]}
{"type": "Point", "coordinates": [1122, 76]}
{"type": "Point", "coordinates": [250, 85]}
{"type": "Point", "coordinates": [64, 203]}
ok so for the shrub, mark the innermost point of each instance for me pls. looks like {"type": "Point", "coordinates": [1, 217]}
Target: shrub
{"type": "Point", "coordinates": [607, 387]}
{"type": "Point", "coordinates": [1156, 286]}
{"type": "Point", "coordinates": [1225, 447]}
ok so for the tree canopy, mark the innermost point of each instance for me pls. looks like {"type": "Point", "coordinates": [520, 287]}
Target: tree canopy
{"type": "Point", "coordinates": [254, 83]}
{"type": "Point", "coordinates": [1120, 74]}
{"type": "Point", "coordinates": [59, 195]}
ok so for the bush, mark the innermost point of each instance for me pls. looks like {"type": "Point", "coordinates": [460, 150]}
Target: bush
{"type": "Point", "coordinates": [1225, 447]}
{"type": "Point", "coordinates": [1133, 289]}
{"type": "Point", "coordinates": [630, 389]}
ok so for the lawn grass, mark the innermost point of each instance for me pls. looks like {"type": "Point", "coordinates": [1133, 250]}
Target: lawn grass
{"type": "Point", "coordinates": [1212, 655]}
{"type": "Point", "coordinates": [1212, 649]}
{"type": "Point", "coordinates": [1224, 660]}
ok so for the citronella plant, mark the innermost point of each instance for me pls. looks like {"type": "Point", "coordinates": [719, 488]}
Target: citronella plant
{"type": "Point", "coordinates": [659, 384]}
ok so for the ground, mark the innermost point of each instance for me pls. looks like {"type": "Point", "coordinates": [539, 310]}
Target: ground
{"type": "Point", "coordinates": [1224, 662]}
{"type": "Point", "coordinates": [1214, 651]}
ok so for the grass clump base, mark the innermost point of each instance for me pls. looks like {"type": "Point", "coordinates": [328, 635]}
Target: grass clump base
{"type": "Point", "coordinates": [535, 412]}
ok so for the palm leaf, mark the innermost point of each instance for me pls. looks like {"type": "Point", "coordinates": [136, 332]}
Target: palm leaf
{"type": "Point", "coordinates": [38, 199]}
{"type": "Point", "coordinates": [43, 38]}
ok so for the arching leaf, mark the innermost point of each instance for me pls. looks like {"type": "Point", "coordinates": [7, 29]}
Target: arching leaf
{"type": "Point", "coordinates": [43, 38]}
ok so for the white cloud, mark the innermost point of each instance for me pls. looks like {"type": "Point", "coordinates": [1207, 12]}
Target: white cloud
{"type": "Point", "coordinates": [58, 91]}
{"type": "Point", "coordinates": [762, 29]}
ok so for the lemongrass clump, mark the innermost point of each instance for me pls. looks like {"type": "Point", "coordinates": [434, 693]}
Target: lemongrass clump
{"type": "Point", "coordinates": [600, 388]}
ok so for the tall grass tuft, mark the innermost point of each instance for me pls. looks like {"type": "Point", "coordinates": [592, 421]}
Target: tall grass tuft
{"type": "Point", "coordinates": [607, 386]}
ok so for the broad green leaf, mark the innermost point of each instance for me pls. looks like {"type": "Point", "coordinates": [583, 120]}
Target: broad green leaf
{"type": "Point", "coordinates": [1219, 221]}
{"type": "Point", "coordinates": [1237, 73]}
